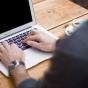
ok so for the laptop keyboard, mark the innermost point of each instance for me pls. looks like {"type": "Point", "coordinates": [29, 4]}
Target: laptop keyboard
{"type": "Point", "coordinates": [18, 40]}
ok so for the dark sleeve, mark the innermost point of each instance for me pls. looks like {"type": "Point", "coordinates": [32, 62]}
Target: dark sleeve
{"type": "Point", "coordinates": [69, 67]}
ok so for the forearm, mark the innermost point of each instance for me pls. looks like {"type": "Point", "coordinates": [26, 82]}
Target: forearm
{"type": "Point", "coordinates": [19, 74]}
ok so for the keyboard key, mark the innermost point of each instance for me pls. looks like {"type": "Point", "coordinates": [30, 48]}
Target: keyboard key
{"type": "Point", "coordinates": [18, 40]}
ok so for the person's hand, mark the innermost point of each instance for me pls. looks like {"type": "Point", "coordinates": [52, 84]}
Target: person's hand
{"type": "Point", "coordinates": [44, 41]}
{"type": "Point", "coordinates": [10, 53]}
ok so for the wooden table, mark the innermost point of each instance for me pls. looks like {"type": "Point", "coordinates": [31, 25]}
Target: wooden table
{"type": "Point", "coordinates": [55, 16]}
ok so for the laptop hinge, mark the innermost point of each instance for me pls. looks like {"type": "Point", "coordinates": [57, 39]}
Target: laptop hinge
{"type": "Point", "coordinates": [16, 32]}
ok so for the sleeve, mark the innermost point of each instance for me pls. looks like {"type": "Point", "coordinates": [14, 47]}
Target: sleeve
{"type": "Point", "coordinates": [43, 83]}
{"type": "Point", "coordinates": [69, 67]}
{"type": "Point", "coordinates": [28, 83]}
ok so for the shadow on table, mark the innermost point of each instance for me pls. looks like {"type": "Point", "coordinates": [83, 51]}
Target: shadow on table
{"type": "Point", "coordinates": [83, 3]}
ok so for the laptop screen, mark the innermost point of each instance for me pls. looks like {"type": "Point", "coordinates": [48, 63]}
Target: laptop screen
{"type": "Point", "coordinates": [14, 13]}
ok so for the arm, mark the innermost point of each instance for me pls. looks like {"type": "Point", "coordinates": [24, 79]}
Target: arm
{"type": "Point", "coordinates": [10, 53]}
{"type": "Point", "coordinates": [69, 64]}
{"type": "Point", "coordinates": [68, 69]}
{"type": "Point", "coordinates": [7, 54]}
{"type": "Point", "coordinates": [19, 74]}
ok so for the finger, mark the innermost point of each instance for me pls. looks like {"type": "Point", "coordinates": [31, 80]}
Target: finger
{"type": "Point", "coordinates": [30, 33]}
{"type": "Point", "coordinates": [31, 38]}
{"type": "Point", "coordinates": [2, 49]}
{"type": "Point", "coordinates": [14, 46]}
{"type": "Point", "coordinates": [33, 44]}
{"type": "Point", "coordinates": [33, 32]}
{"type": "Point", "coordinates": [0, 54]}
{"type": "Point", "coordinates": [6, 45]}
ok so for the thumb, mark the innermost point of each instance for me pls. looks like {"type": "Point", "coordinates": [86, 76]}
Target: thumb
{"type": "Point", "coordinates": [33, 44]}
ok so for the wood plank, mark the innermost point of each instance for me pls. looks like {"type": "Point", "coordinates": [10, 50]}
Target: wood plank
{"type": "Point", "coordinates": [39, 71]}
{"type": "Point", "coordinates": [6, 82]}
{"type": "Point", "coordinates": [51, 13]}
{"type": "Point", "coordinates": [37, 1]}
{"type": "Point", "coordinates": [60, 30]}
{"type": "Point", "coordinates": [0, 80]}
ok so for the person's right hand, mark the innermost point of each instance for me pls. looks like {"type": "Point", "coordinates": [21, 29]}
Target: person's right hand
{"type": "Point", "coordinates": [45, 42]}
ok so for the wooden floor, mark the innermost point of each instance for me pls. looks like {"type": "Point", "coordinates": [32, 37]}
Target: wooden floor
{"type": "Point", "coordinates": [55, 16]}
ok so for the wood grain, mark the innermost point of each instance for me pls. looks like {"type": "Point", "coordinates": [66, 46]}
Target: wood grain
{"type": "Point", "coordinates": [60, 30]}
{"type": "Point", "coordinates": [37, 1]}
{"type": "Point", "coordinates": [51, 13]}
{"type": "Point", "coordinates": [0, 80]}
{"type": "Point", "coordinates": [39, 71]}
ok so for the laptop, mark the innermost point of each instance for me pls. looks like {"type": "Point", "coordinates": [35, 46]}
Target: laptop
{"type": "Point", "coordinates": [16, 20]}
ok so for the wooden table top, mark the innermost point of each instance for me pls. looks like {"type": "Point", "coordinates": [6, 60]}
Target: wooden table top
{"type": "Point", "coordinates": [54, 16]}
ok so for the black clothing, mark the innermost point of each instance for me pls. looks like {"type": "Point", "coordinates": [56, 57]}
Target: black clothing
{"type": "Point", "coordinates": [69, 67]}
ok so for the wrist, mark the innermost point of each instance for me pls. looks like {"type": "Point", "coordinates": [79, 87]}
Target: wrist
{"type": "Point", "coordinates": [14, 64]}
{"type": "Point", "coordinates": [53, 46]}
{"type": "Point", "coordinates": [19, 74]}
{"type": "Point", "coordinates": [17, 70]}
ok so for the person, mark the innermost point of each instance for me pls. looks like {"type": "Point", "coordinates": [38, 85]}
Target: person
{"type": "Point", "coordinates": [69, 65]}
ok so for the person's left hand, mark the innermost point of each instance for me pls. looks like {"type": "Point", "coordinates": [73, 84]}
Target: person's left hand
{"type": "Point", "coordinates": [10, 53]}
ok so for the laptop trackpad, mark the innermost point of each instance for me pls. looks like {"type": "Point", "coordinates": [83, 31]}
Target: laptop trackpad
{"type": "Point", "coordinates": [34, 56]}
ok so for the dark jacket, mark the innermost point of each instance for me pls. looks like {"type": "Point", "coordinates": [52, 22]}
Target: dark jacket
{"type": "Point", "coordinates": [69, 64]}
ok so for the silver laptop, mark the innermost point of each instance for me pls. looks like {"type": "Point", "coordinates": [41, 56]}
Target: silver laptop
{"type": "Point", "coordinates": [17, 19]}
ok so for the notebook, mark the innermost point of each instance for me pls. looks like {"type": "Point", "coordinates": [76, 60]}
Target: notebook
{"type": "Point", "coordinates": [17, 18]}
